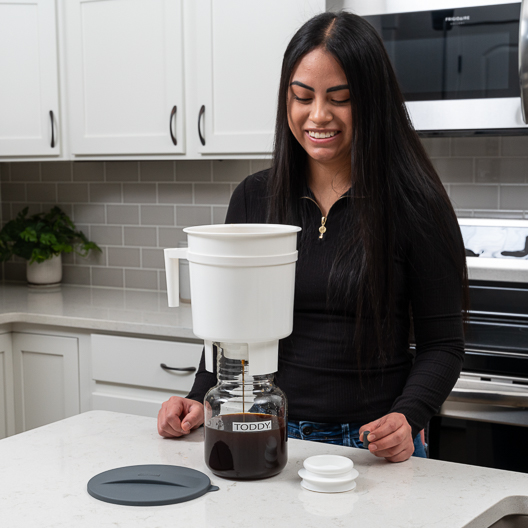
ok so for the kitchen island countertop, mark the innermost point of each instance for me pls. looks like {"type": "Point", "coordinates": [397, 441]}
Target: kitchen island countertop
{"type": "Point", "coordinates": [45, 472]}
{"type": "Point", "coordinates": [99, 309]}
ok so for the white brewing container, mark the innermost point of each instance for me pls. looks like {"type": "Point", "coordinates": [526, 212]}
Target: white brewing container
{"type": "Point", "coordinates": [242, 286]}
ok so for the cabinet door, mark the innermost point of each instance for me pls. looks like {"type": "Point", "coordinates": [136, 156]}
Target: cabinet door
{"type": "Point", "coordinates": [46, 375]}
{"type": "Point", "coordinates": [124, 60]}
{"type": "Point", "coordinates": [7, 409]}
{"type": "Point", "coordinates": [239, 49]}
{"type": "Point", "coordinates": [29, 86]}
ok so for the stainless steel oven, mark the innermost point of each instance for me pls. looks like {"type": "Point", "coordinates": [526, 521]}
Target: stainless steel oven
{"type": "Point", "coordinates": [485, 419]}
{"type": "Point", "coordinates": [462, 64]}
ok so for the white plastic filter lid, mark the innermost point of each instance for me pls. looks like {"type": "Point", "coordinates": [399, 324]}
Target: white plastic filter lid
{"type": "Point", "coordinates": [325, 465]}
{"type": "Point", "coordinates": [328, 474]}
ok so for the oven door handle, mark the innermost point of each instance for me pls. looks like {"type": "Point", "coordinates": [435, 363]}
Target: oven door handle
{"type": "Point", "coordinates": [523, 59]}
{"type": "Point", "coordinates": [487, 397]}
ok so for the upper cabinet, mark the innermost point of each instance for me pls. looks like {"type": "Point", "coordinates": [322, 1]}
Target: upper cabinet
{"type": "Point", "coordinates": [29, 93]}
{"type": "Point", "coordinates": [124, 68]}
{"type": "Point", "coordinates": [143, 78]}
{"type": "Point", "coordinates": [239, 48]}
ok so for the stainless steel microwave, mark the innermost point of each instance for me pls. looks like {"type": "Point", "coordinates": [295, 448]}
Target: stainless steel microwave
{"type": "Point", "coordinates": [462, 64]}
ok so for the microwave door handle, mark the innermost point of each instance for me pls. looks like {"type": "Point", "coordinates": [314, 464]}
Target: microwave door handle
{"type": "Point", "coordinates": [506, 399]}
{"type": "Point", "coordinates": [523, 59]}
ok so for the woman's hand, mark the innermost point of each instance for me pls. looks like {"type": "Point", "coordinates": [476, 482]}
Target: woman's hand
{"type": "Point", "coordinates": [179, 416]}
{"type": "Point", "coordinates": [390, 437]}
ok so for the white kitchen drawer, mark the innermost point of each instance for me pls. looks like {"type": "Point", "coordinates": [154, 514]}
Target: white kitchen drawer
{"type": "Point", "coordinates": [136, 361]}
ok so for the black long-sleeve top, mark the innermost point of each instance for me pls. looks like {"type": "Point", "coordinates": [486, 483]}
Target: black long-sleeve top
{"type": "Point", "coordinates": [318, 371]}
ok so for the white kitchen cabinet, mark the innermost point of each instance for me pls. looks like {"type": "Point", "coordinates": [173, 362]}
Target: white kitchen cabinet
{"type": "Point", "coordinates": [239, 45]}
{"type": "Point", "coordinates": [7, 406]}
{"type": "Point", "coordinates": [128, 376]}
{"type": "Point", "coordinates": [46, 379]}
{"type": "Point", "coordinates": [29, 95]}
{"type": "Point", "coordinates": [124, 66]}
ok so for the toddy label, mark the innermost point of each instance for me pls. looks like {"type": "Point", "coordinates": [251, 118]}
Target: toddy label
{"type": "Point", "coordinates": [251, 427]}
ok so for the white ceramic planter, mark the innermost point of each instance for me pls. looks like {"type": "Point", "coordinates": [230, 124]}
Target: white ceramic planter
{"type": "Point", "coordinates": [45, 273]}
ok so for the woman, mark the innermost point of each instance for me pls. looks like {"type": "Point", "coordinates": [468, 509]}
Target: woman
{"type": "Point", "coordinates": [379, 247]}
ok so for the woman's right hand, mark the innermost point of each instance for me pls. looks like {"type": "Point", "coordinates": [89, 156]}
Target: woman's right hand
{"type": "Point", "coordinates": [179, 416]}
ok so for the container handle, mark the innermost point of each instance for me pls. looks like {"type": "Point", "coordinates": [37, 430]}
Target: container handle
{"type": "Point", "coordinates": [172, 272]}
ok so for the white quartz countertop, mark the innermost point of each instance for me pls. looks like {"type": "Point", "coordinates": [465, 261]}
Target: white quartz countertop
{"type": "Point", "coordinates": [100, 309]}
{"type": "Point", "coordinates": [45, 472]}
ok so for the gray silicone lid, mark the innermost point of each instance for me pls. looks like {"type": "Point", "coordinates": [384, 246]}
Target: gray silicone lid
{"type": "Point", "coordinates": [149, 485]}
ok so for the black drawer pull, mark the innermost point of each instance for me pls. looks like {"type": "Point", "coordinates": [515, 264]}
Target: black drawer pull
{"type": "Point", "coordinates": [52, 129]}
{"type": "Point", "coordinates": [202, 111]}
{"type": "Point", "coordinates": [173, 114]}
{"type": "Point", "coordinates": [184, 369]}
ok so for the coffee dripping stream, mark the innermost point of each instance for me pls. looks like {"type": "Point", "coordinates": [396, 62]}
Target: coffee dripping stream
{"type": "Point", "coordinates": [242, 286]}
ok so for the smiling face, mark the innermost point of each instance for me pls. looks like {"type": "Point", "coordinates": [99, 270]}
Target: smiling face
{"type": "Point", "coordinates": [319, 109]}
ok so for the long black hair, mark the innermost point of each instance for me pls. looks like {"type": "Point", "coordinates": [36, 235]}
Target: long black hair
{"type": "Point", "coordinates": [394, 187]}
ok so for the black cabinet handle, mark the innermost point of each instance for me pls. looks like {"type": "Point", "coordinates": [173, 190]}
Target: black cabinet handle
{"type": "Point", "coordinates": [202, 111]}
{"type": "Point", "coordinates": [183, 369]}
{"type": "Point", "coordinates": [52, 130]}
{"type": "Point", "coordinates": [172, 117]}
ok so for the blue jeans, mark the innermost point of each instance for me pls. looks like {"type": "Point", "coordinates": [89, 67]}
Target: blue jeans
{"type": "Point", "coordinates": [346, 434]}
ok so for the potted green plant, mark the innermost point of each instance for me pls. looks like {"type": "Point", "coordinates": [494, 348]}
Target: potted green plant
{"type": "Point", "coordinates": [41, 239]}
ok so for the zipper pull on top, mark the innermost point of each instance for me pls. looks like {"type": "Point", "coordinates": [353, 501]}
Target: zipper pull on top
{"type": "Point", "coordinates": [322, 229]}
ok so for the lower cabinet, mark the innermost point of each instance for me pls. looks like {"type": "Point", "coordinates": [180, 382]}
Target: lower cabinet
{"type": "Point", "coordinates": [48, 374]}
{"type": "Point", "coordinates": [129, 377]}
{"type": "Point", "coordinates": [46, 379]}
{"type": "Point", "coordinates": [7, 406]}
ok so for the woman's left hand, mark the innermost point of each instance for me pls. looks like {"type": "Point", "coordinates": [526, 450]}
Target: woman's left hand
{"type": "Point", "coordinates": [390, 437]}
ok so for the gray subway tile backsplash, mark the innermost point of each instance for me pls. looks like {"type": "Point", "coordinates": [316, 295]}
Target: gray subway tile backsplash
{"type": "Point", "coordinates": [212, 193]}
{"type": "Point", "coordinates": [72, 192]}
{"type": "Point", "coordinates": [106, 193]}
{"type": "Point", "coordinates": [483, 146]}
{"type": "Point", "coordinates": [454, 169]}
{"type": "Point", "coordinates": [188, 215]}
{"type": "Point", "coordinates": [88, 171]}
{"type": "Point", "coordinates": [139, 193]}
{"type": "Point", "coordinates": [124, 257]}
{"type": "Point", "coordinates": [259, 165]}
{"type": "Point", "coordinates": [142, 279]}
{"type": "Point", "coordinates": [109, 277]}
{"type": "Point", "coordinates": [25, 171]}
{"type": "Point", "coordinates": [152, 258]}
{"type": "Point", "coordinates": [175, 193]}
{"type": "Point", "coordinates": [88, 214]}
{"type": "Point", "coordinates": [170, 237]}
{"type": "Point", "coordinates": [474, 196]}
{"type": "Point", "coordinates": [141, 236]}
{"type": "Point", "coordinates": [134, 209]}
{"type": "Point", "coordinates": [80, 275]}
{"type": "Point", "coordinates": [157, 171]}
{"type": "Point", "coordinates": [13, 192]}
{"type": "Point", "coordinates": [194, 171]}
{"type": "Point", "coordinates": [122, 214]}
{"type": "Point", "coordinates": [219, 214]}
{"type": "Point", "coordinates": [514, 197]}
{"type": "Point", "coordinates": [230, 170]}
{"type": "Point", "coordinates": [157, 215]}
{"type": "Point", "coordinates": [107, 235]}
{"type": "Point", "coordinates": [514, 146]}
{"type": "Point", "coordinates": [56, 171]}
{"type": "Point", "coordinates": [122, 171]}
{"type": "Point", "coordinates": [41, 192]}
{"type": "Point", "coordinates": [437, 147]}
